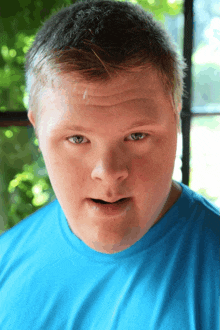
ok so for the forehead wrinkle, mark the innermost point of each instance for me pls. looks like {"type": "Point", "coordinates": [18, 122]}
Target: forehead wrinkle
{"type": "Point", "coordinates": [87, 96]}
{"type": "Point", "coordinates": [143, 106]}
{"type": "Point", "coordinates": [147, 115]}
{"type": "Point", "coordinates": [86, 93]}
{"type": "Point", "coordinates": [123, 88]}
{"type": "Point", "coordinates": [109, 103]}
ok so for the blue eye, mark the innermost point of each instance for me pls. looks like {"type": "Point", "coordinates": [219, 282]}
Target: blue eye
{"type": "Point", "coordinates": [138, 134]}
{"type": "Point", "coordinates": [76, 139]}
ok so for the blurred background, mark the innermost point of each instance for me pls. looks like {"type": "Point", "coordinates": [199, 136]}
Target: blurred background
{"type": "Point", "coordinates": [24, 182]}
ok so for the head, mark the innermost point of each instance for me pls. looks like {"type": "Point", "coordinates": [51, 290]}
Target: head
{"type": "Point", "coordinates": [98, 40]}
{"type": "Point", "coordinates": [106, 65]}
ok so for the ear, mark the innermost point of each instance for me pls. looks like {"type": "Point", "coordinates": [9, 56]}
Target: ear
{"type": "Point", "coordinates": [31, 118]}
{"type": "Point", "coordinates": [179, 108]}
{"type": "Point", "coordinates": [178, 111]}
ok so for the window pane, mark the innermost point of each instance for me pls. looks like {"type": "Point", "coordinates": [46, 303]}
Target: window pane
{"type": "Point", "coordinates": [205, 157]}
{"type": "Point", "coordinates": [206, 57]}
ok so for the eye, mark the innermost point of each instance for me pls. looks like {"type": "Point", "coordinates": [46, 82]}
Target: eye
{"type": "Point", "coordinates": [76, 138]}
{"type": "Point", "coordinates": [137, 136]}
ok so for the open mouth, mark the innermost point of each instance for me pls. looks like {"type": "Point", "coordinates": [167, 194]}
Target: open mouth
{"type": "Point", "coordinates": [101, 208]}
{"type": "Point", "coordinates": [104, 202]}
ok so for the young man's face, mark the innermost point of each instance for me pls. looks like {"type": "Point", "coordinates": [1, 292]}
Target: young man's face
{"type": "Point", "coordinates": [126, 149]}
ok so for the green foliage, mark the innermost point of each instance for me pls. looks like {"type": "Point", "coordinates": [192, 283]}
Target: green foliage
{"type": "Point", "coordinates": [161, 7]}
{"type": "Point", "coordinates": [12, 82]}
{"type": "Point", "coordinates": [25, 185]}
{"type": "Point", "coordinates": [29, 190]}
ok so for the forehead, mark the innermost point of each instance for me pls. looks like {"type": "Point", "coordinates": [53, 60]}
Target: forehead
{"type": "Point", "coordinates": [125, 95]}
{"type": "Point", "coordinates": [122, 86]}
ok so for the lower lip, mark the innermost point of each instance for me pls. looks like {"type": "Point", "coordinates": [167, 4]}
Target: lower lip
{"type": "Point", "coordinates": [110, 209]}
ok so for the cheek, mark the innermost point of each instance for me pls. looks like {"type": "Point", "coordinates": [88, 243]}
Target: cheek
{"type": "Point", "coordinates": [65, 172]}
{"type": "Point", "coordinates": [157, 162]}
{"type": "Point", "coordinates": [67, 179]}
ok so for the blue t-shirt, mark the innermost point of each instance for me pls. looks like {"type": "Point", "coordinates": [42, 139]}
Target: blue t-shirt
{"type": "Point", "coordinates": [168, 280]}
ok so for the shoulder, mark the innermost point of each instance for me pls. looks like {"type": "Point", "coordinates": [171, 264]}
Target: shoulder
{"type": "Point", "coordinates": [198, 211]}
{"type": "Point", "coordinates": [26, 229]}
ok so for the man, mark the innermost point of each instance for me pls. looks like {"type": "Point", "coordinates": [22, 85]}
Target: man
{"type": "Point", "coordinates": [123, 246]}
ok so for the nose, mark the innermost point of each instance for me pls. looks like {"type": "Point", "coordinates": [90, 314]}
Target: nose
{"type": "Point", "coordinates": [111, 167]}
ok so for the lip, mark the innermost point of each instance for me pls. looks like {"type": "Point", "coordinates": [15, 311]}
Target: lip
{"type": "Point", "coordinates": [109, 209]}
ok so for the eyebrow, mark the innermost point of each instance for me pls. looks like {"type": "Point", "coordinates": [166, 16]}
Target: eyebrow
{"type": "Point", "coordinates": [87, 130]}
